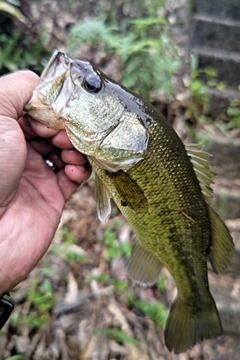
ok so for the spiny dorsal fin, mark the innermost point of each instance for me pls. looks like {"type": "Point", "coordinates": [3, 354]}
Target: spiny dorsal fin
{"type": "Point", "coordinates": [143, 267]}
{"type": "Point", "coordinates": [102, 196]}
{"type": "Point", "coordinates": [202, 164]}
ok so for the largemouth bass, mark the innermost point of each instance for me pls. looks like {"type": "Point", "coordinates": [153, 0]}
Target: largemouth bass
{"type": "Point", "coordinates": [161, 187]}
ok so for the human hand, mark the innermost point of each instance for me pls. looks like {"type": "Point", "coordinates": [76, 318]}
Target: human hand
{"type": "Point", "coordinates": [32, 196]}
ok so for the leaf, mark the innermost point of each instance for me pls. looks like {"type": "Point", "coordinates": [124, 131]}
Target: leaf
{"type": "Point", "coordinates": [91, 31]}
{"type": "Point", "coordinates": [119, 335]}
{"type": "Point", "coordinates": [12, 10]}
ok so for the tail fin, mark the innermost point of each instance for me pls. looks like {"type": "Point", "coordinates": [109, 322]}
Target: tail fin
{"type": "Point", "coordinates": [186, 326]}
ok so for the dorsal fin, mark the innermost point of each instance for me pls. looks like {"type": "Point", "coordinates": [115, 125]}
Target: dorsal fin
{"type": "Point", "coordinates": [202, 164]}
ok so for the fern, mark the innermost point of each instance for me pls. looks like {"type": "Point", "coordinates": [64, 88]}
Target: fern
{"type": "Point", "coordinates": [145, 51]}
{"type": "Point", "coordinates": [92, 31]}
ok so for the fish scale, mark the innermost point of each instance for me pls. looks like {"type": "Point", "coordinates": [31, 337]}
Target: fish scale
{"type": "Point", "coordinates": [161, 187]}
{"type": "Point", "coordinates": [176, 249]}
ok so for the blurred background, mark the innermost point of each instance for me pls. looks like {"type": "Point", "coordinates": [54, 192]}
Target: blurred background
{"type": "Point", "coordinates": [184, 58]}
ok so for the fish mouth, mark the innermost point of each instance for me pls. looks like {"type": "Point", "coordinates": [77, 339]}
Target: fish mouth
{"type": "Point", "coordinates": [54, 88]}
{"type": "Point", "coordinates": [51, 80]}
{"type": "Point", "coordinates": [58, 62]}
{"type": "Point", "coordinates": [58, 77]}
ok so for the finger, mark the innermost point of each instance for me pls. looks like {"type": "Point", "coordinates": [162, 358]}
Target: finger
{"type": "Point", "coordinates": [78, 174]}
{"type": "Point", "coordinates": [42, 146]}
{"type": "Point", "coordinates": [73, 157]}
{"type": "Point", "coordinates": [61, 140]}
{"type": "Point", "coordinates": [66, 186]}
{"type": "Point", "coordinates": [15, 91]}
{"type": "Point", "coordinates": [55, 158]}
{"type": "Point", "coordinates": [42, 130]}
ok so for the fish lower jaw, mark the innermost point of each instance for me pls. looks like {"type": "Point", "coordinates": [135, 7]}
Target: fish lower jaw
{"type": "Point", "coordinates": [46, 116]}
{"type": "Point", "coordinates": [43, 113]}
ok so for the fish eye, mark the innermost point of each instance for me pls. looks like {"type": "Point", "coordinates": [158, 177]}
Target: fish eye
{"type": "Point", "coordinates": [92, 84]}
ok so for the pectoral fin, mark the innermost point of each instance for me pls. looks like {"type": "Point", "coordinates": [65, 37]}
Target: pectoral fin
{"type": "Point", "coordinates": [222, 245]}
{"type": "Point", "coordinates": [143, 267]}
{"type": "Point", "coordinates": [128, 191]}
{"type": "Point", "coordinates": [102, 196]}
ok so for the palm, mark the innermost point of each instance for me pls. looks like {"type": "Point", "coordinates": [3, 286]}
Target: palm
{"type": "Point", "coordinates": [32, 205]}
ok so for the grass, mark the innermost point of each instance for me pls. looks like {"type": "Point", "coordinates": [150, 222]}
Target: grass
{"type": "Point", "coordinates": [154, 310]}
{"type": "Point", "coordinates": [18, 52]}
{"type": "Point", "coordinates": [63, 250]}
{"type": "Point", "coordinates": [119, 335]}
{"type": "Point", "coordinates": [40, 300]}
{"type": "Point", "coordinates": [113, 247]}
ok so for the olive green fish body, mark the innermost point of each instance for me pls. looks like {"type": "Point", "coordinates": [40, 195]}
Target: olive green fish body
{"type": "Point", "coordinates": [175, 220]}
{"type": "Point", "coordinates": [175, 226]}
{"type": "Point", "coordinates": [161, 187]}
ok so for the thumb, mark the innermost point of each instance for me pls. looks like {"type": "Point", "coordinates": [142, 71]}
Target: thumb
{"type": "Point", "coordinates": [15, 91]}
{"type": "Point", "coordinates": [12, 159]}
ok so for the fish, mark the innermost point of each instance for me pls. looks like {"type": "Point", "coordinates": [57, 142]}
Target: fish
{"type": "Point", "coordinates": [161, 186]}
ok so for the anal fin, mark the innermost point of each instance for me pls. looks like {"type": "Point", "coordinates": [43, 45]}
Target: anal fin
{"type": "Point", "coordinates": [143, 267]}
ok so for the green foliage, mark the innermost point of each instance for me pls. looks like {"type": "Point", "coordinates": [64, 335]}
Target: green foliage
{"type": "Point", "coordinates": [161, 284]}
{"type": "Point", "coordinates": [119, 336]}
{"type": "Point", "coordinates": [40, 297]}
{"type": "Point", "coordinates": [18, 52]}
{"type": "Point", "coordinates": [41, 301]}
{"type": "Point", "coordinates": [107, 280]}
{"type": "Point", "coordinates": [11, 10]}
{"type": "Point", "coordinates": [16, 357]}
{"type": "Point", "coordinates": [46, 270]}
{"type": "Point", "coordinates": [63, 250]}
{"type": "Point", "coordinates": [199, 103]}
{"type": "Point", "coordinates": [115, 248]}
{"type": "Point", "coordinates": [10, 59]}
{"type": "Point", "coordinates": [154, 310]}
{"type": "Point", "coordinates": [92, 31]}
{"type": "Point", "coordinates": [149, 57]}
{"type": "Point", "coordinates": [233, 111]}
{"type": "Point", "coordinates": [147, 54]}
{"type": "Point", "coordinates": [200, 81]}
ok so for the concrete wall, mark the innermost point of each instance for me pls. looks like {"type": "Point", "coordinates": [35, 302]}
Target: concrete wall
{"type": "Point", "coordinates": [215, 38]}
